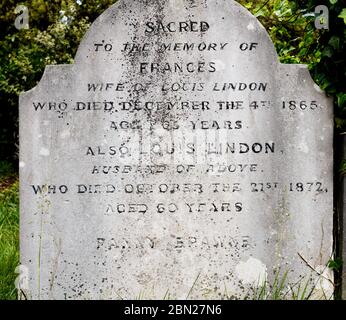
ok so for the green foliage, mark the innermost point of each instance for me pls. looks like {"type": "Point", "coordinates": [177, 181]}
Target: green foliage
{"type": "Point", "coordinates": [9, 241]}
{"type": "Point", "coordinates": [342, 15]}
{"type": "Point", "coordinates": [6, 170]}
{"type": "Point", "coordinates": [330, 72]}
{"type": "Point", "coordinates": [292, 32]}
{"type": "Point", "coordinates": [342, 169]}
{"type": "Point", "coordinates": [291, 26]}
{"type": "Point", "coordinates": [335, 264]}
{"type": "Point", "coordinates": [273, 292]}
{"type": "Point", "coordinates": [309, 287]}
{"type": "Point", "coordinates": [281, 290]}
{"type": "Point", "coordinates": [56, 29]}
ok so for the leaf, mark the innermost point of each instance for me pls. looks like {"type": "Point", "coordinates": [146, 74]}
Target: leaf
{"type": "Point", "coordinates": [341, 99]}
{"type": "Point", "coordinates": [248, 5]}
{"type": "Point", "coordinates": [333, 1]}
{"type": "Point", "coordinates": [334, 42]}
{"type": "Point", "coordinates": [335, 264]}
{"type": "Point", "coordinates": [340, 123]}
{"type": "Point", "coordinates": [342, 15]}
{"type": "Point", "coordinates": [327, 52]}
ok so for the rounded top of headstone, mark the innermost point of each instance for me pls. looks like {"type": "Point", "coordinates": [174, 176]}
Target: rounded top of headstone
{"type": "Point", "coordinates": [184, 26]}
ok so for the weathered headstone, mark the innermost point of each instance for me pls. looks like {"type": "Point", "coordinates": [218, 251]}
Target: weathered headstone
{"type": "Point", "coordinates": [175, 158]}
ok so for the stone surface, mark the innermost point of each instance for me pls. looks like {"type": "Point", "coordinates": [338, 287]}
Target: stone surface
{"type": "Point", "coordinates": [177, 157]}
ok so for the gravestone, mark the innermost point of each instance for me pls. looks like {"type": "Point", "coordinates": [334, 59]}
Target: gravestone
{"type": "Point", "coordinates": [176, 158]}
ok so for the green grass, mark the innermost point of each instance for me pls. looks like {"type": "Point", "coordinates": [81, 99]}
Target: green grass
{"type": "Point", "coordinates": [9, 231]}
{"type": "Point", "coordinates": [280, 290]}
{"type": "Point", "coordinates": [6, 170]}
